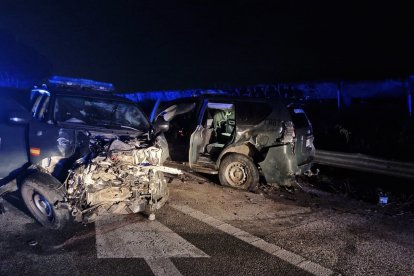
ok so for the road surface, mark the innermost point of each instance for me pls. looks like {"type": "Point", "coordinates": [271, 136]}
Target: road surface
{"type": "Point", "coordinates": [206, 229]}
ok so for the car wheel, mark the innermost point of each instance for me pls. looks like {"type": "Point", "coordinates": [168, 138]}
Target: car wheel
{"type": "Point", "coordinates": [41, 193]}
{"type": "Point", "coordinates": [239, 171]}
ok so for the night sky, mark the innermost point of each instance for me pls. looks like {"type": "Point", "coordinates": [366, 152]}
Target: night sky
{"type": "Point", "coordinates": [156, 45]}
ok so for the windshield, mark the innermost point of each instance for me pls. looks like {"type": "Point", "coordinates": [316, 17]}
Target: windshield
{"type": "Point", "coordinates": [98, 112]}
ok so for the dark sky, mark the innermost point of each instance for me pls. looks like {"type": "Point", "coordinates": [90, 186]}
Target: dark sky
{"type": "Point", "coordinates": [149, 45]}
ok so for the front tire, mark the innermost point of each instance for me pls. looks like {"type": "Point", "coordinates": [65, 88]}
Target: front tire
{"type": "Point", "coordinates": [240, 172]}
{"type": "Point", "coordinates": [41, 193]}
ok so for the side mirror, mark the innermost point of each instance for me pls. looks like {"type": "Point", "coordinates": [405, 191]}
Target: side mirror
{"type": "Point", "coordinates": [161, 125]}
{"type": "Point", "coordinates": [20, 117]}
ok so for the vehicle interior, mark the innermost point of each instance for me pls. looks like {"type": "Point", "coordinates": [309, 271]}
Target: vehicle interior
{"type": "Point", "coordinates": [219, 124]}
{"type": "Point", "coordinates": [216, 132]}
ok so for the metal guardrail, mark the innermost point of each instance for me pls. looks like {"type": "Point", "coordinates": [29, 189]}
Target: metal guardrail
{"type": "Point", "coordinates": [365, 163]}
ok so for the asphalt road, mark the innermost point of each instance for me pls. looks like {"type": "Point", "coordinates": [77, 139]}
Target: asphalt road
{"type": "Point", "coordinates": [209, 230]}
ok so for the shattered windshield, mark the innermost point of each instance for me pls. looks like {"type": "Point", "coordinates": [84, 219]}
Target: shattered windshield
{"type": "Point", "coordinates": [99, 112]}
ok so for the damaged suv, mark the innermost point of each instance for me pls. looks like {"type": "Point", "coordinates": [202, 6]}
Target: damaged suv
{"type": "Point", "coordinates": [240, 139]}
{"type": "Point", "coordinates": [82, 152]}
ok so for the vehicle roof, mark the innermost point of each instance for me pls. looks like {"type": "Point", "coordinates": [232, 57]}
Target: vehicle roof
{"type": "Point", "coordinates": [223, 97]}
{"type": "Point", "coordinates": [88, 93]}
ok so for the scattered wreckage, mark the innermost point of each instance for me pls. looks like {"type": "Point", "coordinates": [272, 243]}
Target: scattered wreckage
{"type": "Point", "coordinates": [119, 175]}
{"type": "Point", "coordinates": [118, 178]}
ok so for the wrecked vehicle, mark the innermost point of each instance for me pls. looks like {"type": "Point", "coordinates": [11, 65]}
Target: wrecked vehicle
{"type": "Point", "coordinates": [240, 139]}
{"type": "Point", "coordinates": [82, 152]}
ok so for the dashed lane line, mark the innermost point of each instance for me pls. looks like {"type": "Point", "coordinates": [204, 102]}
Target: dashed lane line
{"type": "Point", "coordinates": [118, 237]}
{"type": "Point", "coordinates": [270, 248]}
{"type": "Point", "coordinates": [162, 267]}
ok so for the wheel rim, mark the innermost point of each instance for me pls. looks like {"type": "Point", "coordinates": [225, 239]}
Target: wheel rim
{"type": "Point", "coordinates": [43, 206]}
{"type": "Point", "coordinates": [236, 174]}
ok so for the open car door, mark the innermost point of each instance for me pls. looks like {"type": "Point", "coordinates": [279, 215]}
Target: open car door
{"type": "Point", "coordinates": [197, 138]}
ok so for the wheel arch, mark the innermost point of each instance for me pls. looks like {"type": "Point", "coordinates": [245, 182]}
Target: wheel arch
{"type": "Point", "coordinates": [37, 172]}
{"type": "Point", "coordinates": [246, 149]}
{"type": "Point", "coordinates": [43, 194]}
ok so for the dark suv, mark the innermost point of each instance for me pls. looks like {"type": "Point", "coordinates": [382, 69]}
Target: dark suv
{"type": "Point", "coordinates": [241, 139]}
{"type": "Point", "coordinates": [80, 151]}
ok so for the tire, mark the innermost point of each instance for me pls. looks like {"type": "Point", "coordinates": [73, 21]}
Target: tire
{"type": "Point", "coordinates": [41, 192]}
{"type": "Point", "coordinates": [240, 172]}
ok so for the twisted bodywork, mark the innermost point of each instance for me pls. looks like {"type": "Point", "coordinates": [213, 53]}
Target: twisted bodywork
{"type": "Point", "coordinates": [122, 178]}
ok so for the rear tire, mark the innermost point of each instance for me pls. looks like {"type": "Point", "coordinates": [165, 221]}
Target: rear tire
{"type": "Point", "coordinates": [240, 172]}
{"type": "Point", "coordinates": [41, 193]}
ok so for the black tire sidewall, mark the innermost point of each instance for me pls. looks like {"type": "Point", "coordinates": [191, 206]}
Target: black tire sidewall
{"type": "Point", "coordinates": [252, 171]}
{"type": "Point", "coordinates": [48, 187]}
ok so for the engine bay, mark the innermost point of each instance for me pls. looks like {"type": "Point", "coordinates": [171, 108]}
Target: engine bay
{"type": "Point", "coordinates": [119, 175]}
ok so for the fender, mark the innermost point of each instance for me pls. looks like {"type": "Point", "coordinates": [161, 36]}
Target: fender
{"type": "Point", "coordinates": [244, 148]}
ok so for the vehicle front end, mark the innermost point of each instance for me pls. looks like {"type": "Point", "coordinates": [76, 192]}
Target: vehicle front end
{"type": "Point", "coordinates": [100, 153]}
{"type": "Point", "coordinates": [120, 177]}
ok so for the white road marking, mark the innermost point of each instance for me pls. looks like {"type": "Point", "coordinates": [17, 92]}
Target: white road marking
{"type": "Point", "coordinates": [270, 248]}
{"type": "Point", "coordinates": [136, 237]}
{"type": "Point", "coordinates": [163, 267]}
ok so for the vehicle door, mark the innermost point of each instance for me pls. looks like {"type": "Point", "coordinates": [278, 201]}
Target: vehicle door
{"type": "Point", "coordinates": [50, 144]}
{"type": "Point", "coordinates": [14, 119]}
{"type": "Point", "coordinates": [182, 122]}
{"type": "Point", "coordinates": [197, 141]}
{"type": "Point", "coordinates": [304, 148]}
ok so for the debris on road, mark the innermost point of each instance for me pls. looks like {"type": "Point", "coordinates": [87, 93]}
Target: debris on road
{"type": "Point", "coordinates": [32, 243]}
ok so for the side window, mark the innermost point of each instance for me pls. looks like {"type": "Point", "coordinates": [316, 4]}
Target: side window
{"type": "Point", "coordinates": [177, 109]}
{"type": "Point", "coordinates": [220, 115]}
{"type": "Point", "coordinates": [219, 124]}
{"type": "Point", "coordinates": [36, 103]}
{"type": "Point", "coordinates": [182, 118]}
{"type": "Point", "coordinates": [252, 113]}
{"type": "Point", "coordinates": [40, 103]}
{"type": "Point", "coordinates": [42, 114]}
